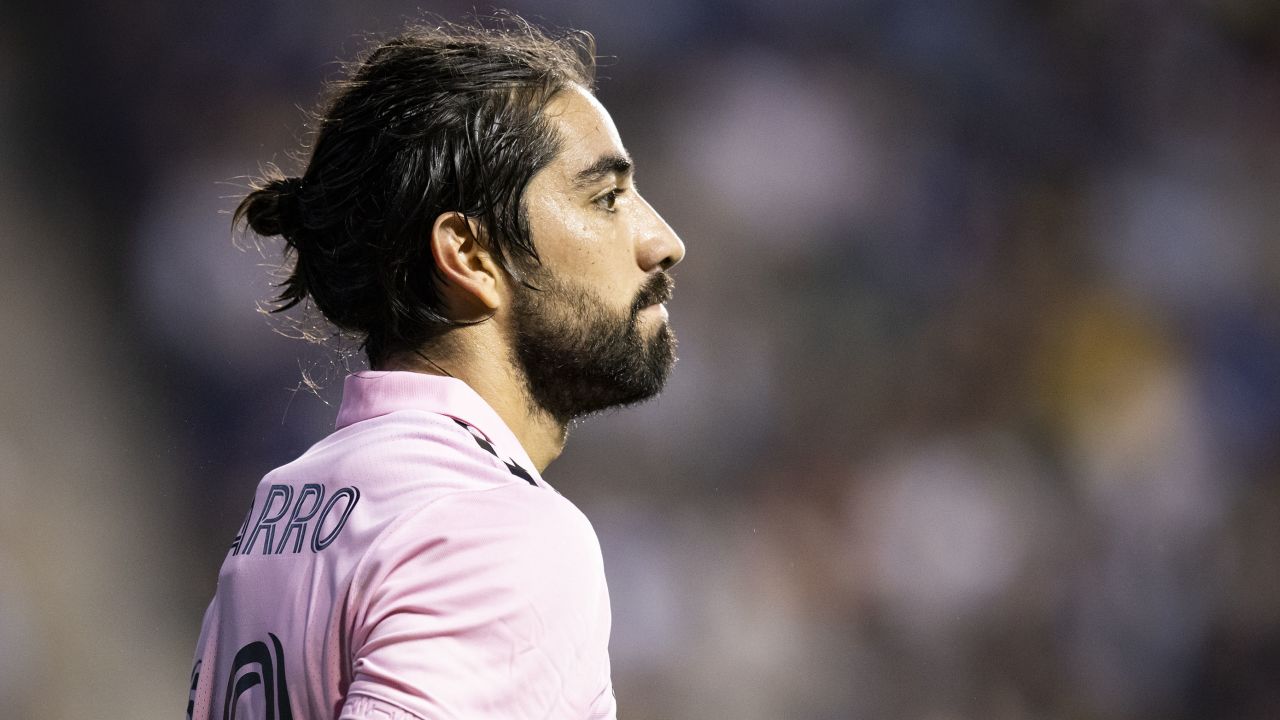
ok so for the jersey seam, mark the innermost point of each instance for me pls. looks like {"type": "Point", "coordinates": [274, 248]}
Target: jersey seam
{"type": "Point", "coordinates": [381, 699]}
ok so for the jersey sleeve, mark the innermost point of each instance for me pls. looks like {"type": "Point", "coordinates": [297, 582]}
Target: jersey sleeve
{"type": "Point", "coordinates": [483, 604]}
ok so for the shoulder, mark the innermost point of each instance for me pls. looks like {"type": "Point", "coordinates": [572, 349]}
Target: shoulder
{"type": "Point", "coordinates": [493, 599]}
{"type": "Point", "coordinates": [481, 579]}
{"type": "Point", "coordinates": [513, 535]}
{"type": "Point", "coordinates": [504, 555]}
{"type": "Point", "coordinates": [392, 469]}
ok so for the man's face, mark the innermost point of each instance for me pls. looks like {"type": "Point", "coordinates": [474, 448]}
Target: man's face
{"type": "Point", "coordinates": [594, 334]}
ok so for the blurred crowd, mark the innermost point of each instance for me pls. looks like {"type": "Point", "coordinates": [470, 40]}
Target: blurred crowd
{"type": "Point", "coordinates": [978, 400]}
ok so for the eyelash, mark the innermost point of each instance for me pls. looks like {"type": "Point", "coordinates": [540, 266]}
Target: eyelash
{"type": "Point", "coordinates": [608, 201]}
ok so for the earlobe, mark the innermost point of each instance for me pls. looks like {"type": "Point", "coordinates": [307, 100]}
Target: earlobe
{"type": "Point", "coordinates": [471, 277]}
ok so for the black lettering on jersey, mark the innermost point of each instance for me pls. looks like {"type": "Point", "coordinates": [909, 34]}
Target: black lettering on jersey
{"type": "Point", "coordinates": [191, 696]}
{"type": "Point", "coordinates": [255, 665]}
{"type": "Point", "coordinates": [352, 495]}
{"type": "Point", "coordinates": [268, 518]}
{"type": "Point", "coordinates": [235, 544]}
{"type": "Point", "coordinates": [309, 516]}
{"type": "Point", "coordinates": [299, 518]}
{"type": "Point", "coordinates": [487, 446]}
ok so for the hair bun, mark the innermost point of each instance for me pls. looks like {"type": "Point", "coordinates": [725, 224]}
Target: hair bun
{"type": "Point", "coordinates": [274, 208]}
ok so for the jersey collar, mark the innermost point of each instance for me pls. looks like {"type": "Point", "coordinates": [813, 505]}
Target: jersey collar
{"type": "Point", "coordinates": [372, 393]}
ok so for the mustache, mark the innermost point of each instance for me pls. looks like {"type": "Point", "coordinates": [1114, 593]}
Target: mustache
{"type": "Point", "coordinates": [657, 289]}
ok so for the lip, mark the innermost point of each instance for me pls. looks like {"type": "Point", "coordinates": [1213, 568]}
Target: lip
{"type": "Point", "coordinates": [659, 308]}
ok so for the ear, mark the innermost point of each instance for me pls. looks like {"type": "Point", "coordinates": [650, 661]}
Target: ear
{"type": "Point", "coordinates": [472, 278]}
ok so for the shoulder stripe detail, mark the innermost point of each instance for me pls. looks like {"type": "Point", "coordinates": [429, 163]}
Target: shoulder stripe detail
{"type": "Point", "coordinates": [487, 446]}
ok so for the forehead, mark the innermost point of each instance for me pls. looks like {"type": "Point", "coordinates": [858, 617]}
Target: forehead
{"type": "Point", "coordinates": [585, 129]}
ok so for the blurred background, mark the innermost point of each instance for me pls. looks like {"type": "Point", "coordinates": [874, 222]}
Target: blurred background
{"type": "Point", "coordinates": [979, 394]}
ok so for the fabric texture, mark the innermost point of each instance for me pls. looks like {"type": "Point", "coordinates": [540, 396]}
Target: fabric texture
{"type": "Point", "coordinates": [413, 564]}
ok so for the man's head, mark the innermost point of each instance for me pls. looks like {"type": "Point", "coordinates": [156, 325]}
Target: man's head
{"type": "Point", "coordinates": [465, 177]}
{"type": "Point", "coordinates": [594, 334]}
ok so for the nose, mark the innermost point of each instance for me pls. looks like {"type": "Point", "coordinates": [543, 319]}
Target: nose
{"type": "Point", "coordinates": [658, 247]}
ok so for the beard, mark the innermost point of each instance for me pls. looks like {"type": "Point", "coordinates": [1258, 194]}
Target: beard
{"type": "Point", "coordinates": [580, 356]}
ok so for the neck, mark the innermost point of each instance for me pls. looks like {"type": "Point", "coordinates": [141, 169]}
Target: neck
{"type": "Point", "coordinates": [491, 373]}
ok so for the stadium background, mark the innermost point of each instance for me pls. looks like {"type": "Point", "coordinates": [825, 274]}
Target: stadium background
{"type": "Point", "coordinates": [979, 394]}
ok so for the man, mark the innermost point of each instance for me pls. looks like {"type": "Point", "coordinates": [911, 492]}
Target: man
{"type": "Point", "coordinates": [468, 213]}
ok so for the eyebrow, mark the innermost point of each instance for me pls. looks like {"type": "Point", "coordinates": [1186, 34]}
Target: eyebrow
{"type": "Point", "coordinates": [607, 164]}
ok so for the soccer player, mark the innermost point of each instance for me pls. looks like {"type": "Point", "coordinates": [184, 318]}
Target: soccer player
{"type": "Point", "coordinates": [468, 212]}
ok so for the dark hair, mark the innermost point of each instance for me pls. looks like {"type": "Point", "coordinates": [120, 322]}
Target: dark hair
{"type": "Point", "coordinates": [447, 118]}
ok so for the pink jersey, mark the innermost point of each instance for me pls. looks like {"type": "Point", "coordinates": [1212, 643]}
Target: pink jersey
{"type": "Point", "coordinates": [413, 564]}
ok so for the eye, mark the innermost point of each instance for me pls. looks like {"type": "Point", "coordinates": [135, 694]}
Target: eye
{"type": "Point", "coordinates": [609, 200]}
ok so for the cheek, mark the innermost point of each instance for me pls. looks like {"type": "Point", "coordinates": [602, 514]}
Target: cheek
{"type": "Point", "coordinates": [569, 237]}
{"type": "Point", "coordinates": [580, 242]}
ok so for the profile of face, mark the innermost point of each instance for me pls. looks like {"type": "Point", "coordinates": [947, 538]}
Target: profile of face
{"type": "Point", "coordinates": [594, 334]}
